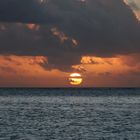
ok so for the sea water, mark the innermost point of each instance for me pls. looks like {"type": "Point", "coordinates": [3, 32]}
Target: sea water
{"type": "Point", "coordinates": [69, 114]}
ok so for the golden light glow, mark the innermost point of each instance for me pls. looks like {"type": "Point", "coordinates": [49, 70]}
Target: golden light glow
{"type": "Point", "coordinates": [75, 75]}
{"type": "Point", "coordinates": [75, 79]}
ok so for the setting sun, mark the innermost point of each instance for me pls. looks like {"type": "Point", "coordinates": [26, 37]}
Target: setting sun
{"type": "Point", "coordinates": [75, 79]}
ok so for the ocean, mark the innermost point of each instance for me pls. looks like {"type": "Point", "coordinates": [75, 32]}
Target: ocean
{"type": "Point", "coordinates": [70, 114]}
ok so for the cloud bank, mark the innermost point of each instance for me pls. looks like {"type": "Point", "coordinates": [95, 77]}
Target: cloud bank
{"type": "Point", "coordinates": [66, 30]}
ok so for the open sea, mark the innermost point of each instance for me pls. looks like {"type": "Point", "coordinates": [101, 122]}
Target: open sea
{"type": "Point", "coordinates": [70, 114]}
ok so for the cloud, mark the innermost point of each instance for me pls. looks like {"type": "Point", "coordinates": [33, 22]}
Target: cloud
{"type": "Point", "coordinates": [135, 6]}
{"type": "Point", "coordinates": [23, 11]}
{"type": "Point", "coordinates": [7, 69]}
{"type": "Point", "coordinates": [66, 30]}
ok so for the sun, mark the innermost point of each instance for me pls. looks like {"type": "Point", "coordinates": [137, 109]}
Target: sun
{"type": "Point", "coordinates": [75, 79]}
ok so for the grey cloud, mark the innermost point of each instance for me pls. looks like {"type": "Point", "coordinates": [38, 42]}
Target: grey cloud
{"type": "Point", "coordinates": [20, 11]}
{"type": "Point", "coordinates": [101, 27]}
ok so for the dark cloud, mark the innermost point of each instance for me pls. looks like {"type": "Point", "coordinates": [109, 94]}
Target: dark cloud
{"type": "Point", "coordinates": [69, 30]}
{"type": "Point", "coordinates": [21, 10]}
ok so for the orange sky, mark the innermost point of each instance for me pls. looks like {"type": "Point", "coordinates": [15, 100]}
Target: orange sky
{"type": "Point", "coordinates": [22, 71]}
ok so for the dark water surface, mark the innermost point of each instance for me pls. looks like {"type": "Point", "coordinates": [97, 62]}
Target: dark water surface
{"type": "Point", "coordinates": [69, 114]}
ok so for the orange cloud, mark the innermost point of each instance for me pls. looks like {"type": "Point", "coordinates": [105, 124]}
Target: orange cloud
{"type": "Point", "coordinates": [26, 71]}
{"type": "Point", "coordinates": [117, 71]}
{"type": "Point", "coordinates": [96, 72]}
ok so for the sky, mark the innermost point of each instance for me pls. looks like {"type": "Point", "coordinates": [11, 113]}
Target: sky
{"type": "Point", "coordinates": [43, 41]}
